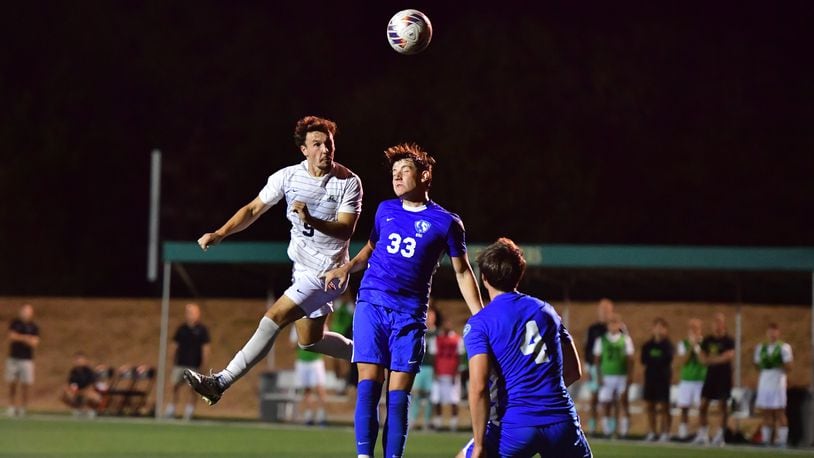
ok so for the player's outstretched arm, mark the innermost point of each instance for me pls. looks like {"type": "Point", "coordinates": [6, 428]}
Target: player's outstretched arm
{"type": "Point", "coordinates": [342, 273]}
{"type": "Point", "coordinates": [242, 219]}
{"type": "Point", "coordinates": [467, 283]}
{"type": "Point", "coordinates": [479, 398]}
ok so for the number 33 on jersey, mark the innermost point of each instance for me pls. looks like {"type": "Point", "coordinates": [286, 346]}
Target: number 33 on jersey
{"type": "Point", "coordinates": [413, 240]}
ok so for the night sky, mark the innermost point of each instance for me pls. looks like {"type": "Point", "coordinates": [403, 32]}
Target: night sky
{"type": "Point", "coordinates": [550, 124]}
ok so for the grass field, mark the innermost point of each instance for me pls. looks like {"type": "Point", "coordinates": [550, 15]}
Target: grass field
{"type": "Point", "coordinates": [65, 437]}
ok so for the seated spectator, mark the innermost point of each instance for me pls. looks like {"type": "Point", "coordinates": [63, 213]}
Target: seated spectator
{"type": "Point", "coordinates": [80, 394]}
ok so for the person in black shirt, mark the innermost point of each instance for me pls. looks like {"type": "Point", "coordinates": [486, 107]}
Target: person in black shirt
{"type": "Point", "coordinates": [24, 337]}
{"type": "Point", "coordinates": [191, 342]}
{"type": "Point", "coordinates": [80, 393]}
{"type": "Point", "coordinates": [717, 352]}
{"type": "Point", "coordinates": [604, 311]}
{"type": "Point", "coordinates": [657, 357]}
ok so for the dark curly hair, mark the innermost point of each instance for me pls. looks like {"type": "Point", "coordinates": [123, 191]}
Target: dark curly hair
{"type": "Point", "coordinates": [312, 124]}
{"type": "Point", "coordinates": [420, 158]}
{"type": "Point", "coordinates": [502, 264]}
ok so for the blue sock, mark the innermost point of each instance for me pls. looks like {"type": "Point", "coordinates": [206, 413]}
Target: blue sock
{"type": "Point", "coordinates": [366, 419]}
{"type": "Point", "coordinates": [398, 405]}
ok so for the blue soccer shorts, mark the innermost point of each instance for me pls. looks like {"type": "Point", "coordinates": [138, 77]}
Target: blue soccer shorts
{"type": "Point", "coordinates": [563, 440]}
{"type": "Point", "coordinates": [388, 338]}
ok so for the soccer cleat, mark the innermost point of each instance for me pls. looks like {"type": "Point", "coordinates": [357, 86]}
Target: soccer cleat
{"type": "Point", "coordinates": [701, 439]}
{"type": "Point", "coordinates": [665, 437]}
{"type": "Point", "coordinates": [718, 440]}
{"type": "Point", "coordinates": [205, 385]}
{"type": "Point", "coordinates": [651, 436]}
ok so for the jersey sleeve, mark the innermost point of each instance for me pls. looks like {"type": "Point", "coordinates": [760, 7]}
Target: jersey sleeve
{"type": "Point", "coordinates": [565, 336]}
{"type": "Point", "coordinates": [475, 339]}
{"type": "Point", "coordinates": [756, 356]}
{"type": "Point", "coordinates": [629, 348]}
{"type": "Point", "coordinates": [273, 191]}
{"type": "Point", "coordinates": [597, 350]}
{"type": "Point", "coordinates": [456, 240]}
{"type": "Point", "coordinates": [374, 232]}
{"type": "Point", "coordinates": [461, 347]}
{"type": "Point", "coordinates": [352, 199]}
{"type": "Point", "coordinates": [785, 353]}
{"type": "Point", "coordinates": [205, 335]}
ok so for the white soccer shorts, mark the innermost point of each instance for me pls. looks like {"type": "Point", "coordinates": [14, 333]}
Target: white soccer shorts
{"type": "Point", "coordinates": [612, 387]}
{"type": "Point", "coordinates": [446, 389]}
{"type": "Point", "coordinates": [307, 290]}
{"type": "Point", "coordinates": [689, 394]}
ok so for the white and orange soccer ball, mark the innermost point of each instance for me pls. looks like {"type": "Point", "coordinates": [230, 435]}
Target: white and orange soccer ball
{"type": "Point", "coordinates": [409, 32]}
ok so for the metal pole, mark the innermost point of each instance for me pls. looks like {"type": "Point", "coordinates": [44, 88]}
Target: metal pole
{"type": "Point", "coordinates": [809, 435]}
{"type": "Point", "coordinates": [155, 202]}
{"type": "Point", "coordinates": [738, 344]}
{"type": "Point", "coordinates": [162, 345]}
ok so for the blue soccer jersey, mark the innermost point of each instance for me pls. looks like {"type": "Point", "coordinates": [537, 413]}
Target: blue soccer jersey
{"type": "Point", "coordinates": [522, 336]}
{"type": "Point", "coordinates": [409, 243]}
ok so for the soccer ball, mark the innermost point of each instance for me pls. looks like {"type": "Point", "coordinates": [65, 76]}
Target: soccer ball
{"type": "Point", "coordinates": [409, 32]}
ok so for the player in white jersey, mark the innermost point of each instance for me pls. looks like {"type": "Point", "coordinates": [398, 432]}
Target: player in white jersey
{"type": "Point", "coordinates": [323, 201]}
{"type": "Point", "coordinates": [773, 357]}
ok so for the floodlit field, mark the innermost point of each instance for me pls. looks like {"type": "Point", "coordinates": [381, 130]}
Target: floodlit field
{"type": "Point", "coordinates": [63, 437]}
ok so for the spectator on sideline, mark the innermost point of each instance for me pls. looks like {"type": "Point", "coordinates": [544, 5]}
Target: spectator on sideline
{"type": "Point", "coordinates": [422, 387]}
{"type": "Point", "coordinates": [191, 342]}
{"type": "Point", "coordinates": [309, 370]}
{"type": "Point", "coordinates": [446, 387]}
{"type": "Point", "coordinates": [604, 310]}
{"type": "Point", "coordinates": [613, 355]}
{"type": "Point", "coordinates": [693, 373]}
{"type": "Point", "coordinates": [773, 357]}
{"type": "Point", "coordinates": [24, 337]}
{"type": "Point", "coordinates": [717, 351]}
{"type": "Point", "coordinates": [341, 322]}
{"type": "Point", "coordinates": [80, 394]}
{"type": "Point", "coordinates": [657, 357]}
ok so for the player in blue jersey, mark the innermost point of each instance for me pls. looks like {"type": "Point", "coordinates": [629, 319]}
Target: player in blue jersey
{"type": "Point", "coordinates": [522, 342]}
{"type": "Point", "coordinates": [409, 237]}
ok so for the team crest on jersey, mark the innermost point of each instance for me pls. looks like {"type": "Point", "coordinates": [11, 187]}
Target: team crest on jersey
{"type": "Point", "coordinates": [467, 328]}
{"type": "Point", "coordinates": [421, 227]}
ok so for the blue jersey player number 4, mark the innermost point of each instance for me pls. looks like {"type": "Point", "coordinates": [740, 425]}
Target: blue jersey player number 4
{"type": "Point", "coordinates": [526, 410]}
{"type": "Point", "coordinates": [409, 236]}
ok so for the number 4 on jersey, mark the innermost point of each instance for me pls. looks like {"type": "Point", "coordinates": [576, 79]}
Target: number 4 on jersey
{"type": "Point", "coordinates": [533, 344]}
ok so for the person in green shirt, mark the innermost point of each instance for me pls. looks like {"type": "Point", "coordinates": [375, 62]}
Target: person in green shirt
{"type": "Point", "coordinates": [693, 372]}
{"type": "Point", "coordinates": [613, 355]}
{"type": "Point", "coordinates": [773, 357]}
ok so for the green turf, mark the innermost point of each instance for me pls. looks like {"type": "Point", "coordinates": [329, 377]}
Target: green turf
{"type": "Point", "coordinates": [63, 437]}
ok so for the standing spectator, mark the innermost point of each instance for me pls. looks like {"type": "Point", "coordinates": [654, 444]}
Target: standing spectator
{"type": "Point", "coordinates": [191, 342]}
{"type": "Point", "coordinates": [24, 336]}
{"type": "Point", "coordinates": [657, 357]}
{"type": "Point", "coordinates": [422, 387]}
{"type": "Point", "coordinates": [309, 369]}
{"type": "Point", "coordinates": [693, 373]}
{"type": "Point", "coordinates": [613, 354]}
{"type": "Point", "coordinates": [604, 310]}
{"type": "Point", "coordinates": [773, 358]}
{"type": "Point", "coordinates": [341, 322]}
{"type": "Point", "coordinates": [717, 351]}
{"type": "Point", "coordinates": [80, 394]}
{"type": "Point", "coordinates": [446, 388]}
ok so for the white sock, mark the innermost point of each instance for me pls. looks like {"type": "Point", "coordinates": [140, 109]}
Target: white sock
{"type": "Point", "coordinates": [624, 426]}
{"type": "Point", "coordinates": [320, 415]}
{"type": "Point", "coordinates": [332, 344]}
{"type": "Point", "coordinates": [782, 435]}
{"type": "Point", "coordinates": [255, 349]}
{"type": "Point", "coordinates": [436, 421]}
{"type": "Point", "coordinates": [765, 434]}
{"type": "Point", "coordinates": [682, 430]}
{"type": "Point", "coordinates": [453, 423]}
{"type": "Point", "coordinates": [188, 411]}
{"type": "Point", "coordinates": [703, 431]}
{"type": "Point", "coordinates": [170, 410]}
{"type": "Point", "coordinates": [308, 415]}
{"type": "Point", "coordinates": [606, 426]}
